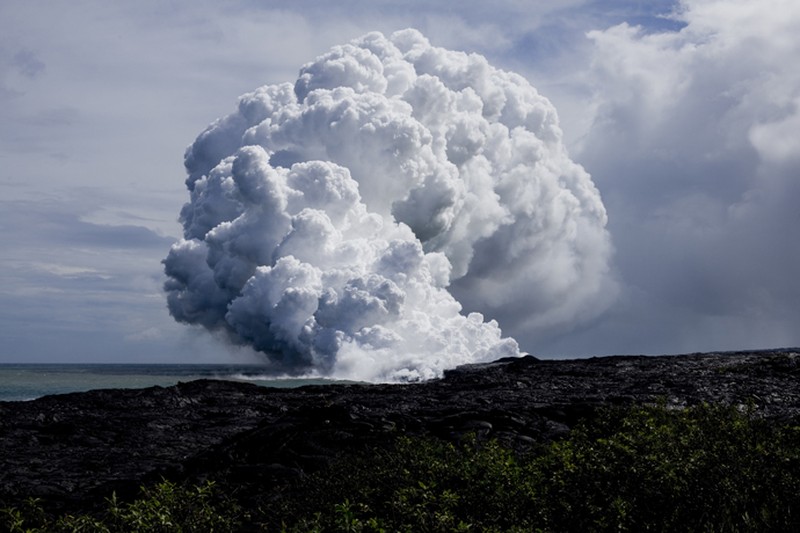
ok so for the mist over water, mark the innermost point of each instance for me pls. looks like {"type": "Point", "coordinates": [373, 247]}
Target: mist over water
{"type": "Point", "coordinates": [373, 219]}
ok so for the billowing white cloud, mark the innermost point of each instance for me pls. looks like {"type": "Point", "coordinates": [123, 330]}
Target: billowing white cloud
{"type": "Point", "coordinates": [695, 145]}
{"type": "Point", "coordinates": [340, 224]}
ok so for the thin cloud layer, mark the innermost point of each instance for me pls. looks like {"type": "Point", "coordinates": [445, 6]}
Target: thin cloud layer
{"type": "Point", "coordinates": [340, 224]}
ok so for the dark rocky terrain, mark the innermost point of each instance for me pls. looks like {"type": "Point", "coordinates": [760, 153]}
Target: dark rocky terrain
{"type": "Point", "coordinates": [74, 450]}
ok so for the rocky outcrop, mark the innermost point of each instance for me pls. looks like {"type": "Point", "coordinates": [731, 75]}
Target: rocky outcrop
{"type": "Point", "coordinates": [74, 450]}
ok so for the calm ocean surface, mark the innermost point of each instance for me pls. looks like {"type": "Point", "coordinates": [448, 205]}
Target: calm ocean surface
{"type": "Point", "coordinates": [28, 381]}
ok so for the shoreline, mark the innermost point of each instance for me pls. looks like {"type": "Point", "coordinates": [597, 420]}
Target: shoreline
{"type": "Point", "coordinates": [74, 450]}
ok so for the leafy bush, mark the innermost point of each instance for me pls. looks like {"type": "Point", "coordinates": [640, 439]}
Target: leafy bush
{"type": "Point", "coordinates": [418, 485]}
{"type": "Point", "coordinates": [651, 469]}
{"type": "Point", "coordinates": [166, 507]}
{"type": "Point", "coordinates": [707, 468]}
{"type": "Point", "coordinates": [642, 469]}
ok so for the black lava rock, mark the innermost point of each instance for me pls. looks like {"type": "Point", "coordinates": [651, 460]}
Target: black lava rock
{"type": "Point", "coordinates": [73, 450]}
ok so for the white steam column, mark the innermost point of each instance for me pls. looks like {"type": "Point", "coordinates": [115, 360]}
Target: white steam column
{"type": "Point", "coordinates": [332, 222]}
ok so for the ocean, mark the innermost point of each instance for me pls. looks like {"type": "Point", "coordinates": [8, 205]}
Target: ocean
{"type": "Point", "coordinates": [21, 382]}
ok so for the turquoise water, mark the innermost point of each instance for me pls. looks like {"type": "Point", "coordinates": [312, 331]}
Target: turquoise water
{"type": "Point", "coordinates": [20, 382]}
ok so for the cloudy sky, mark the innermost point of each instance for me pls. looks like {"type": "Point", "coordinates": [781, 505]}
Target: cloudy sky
{"type": "Point", "coordinates": [686, 115]}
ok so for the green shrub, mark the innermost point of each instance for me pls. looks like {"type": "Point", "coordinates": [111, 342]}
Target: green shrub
{"type": "Point", "coordinates": [640, 469]}
{"type": "Point", "coordinates": [165, 507]}
{"type": "Point", "coordinates": [169, 507]}
{"type": "Point", "coordinates": [417, 485]}
{"type": "Point", "coordinates": [651, 469]}
{"type": "Point", "coordinates": [705, 469]}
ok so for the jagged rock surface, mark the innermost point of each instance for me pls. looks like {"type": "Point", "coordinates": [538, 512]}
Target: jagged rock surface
{"type": "Point", "coordinates": [74, 450]}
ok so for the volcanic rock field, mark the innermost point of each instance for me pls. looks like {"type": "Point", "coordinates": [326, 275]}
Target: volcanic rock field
{"type": "Point", "coordinates": [74, 450]}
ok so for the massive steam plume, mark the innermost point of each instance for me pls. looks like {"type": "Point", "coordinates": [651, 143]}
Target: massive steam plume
{"type": "Point", "coordinates": [332, 221]}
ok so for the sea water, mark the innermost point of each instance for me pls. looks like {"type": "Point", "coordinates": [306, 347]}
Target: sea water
{"type": "Point", "coordinates": [19, 382]}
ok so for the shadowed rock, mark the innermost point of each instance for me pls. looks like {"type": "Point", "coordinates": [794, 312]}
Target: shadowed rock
{"type": "Point", "coordinates": [74, 450]}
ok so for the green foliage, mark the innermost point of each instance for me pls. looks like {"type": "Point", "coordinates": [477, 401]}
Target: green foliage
{"type": "Point", "coordinates": [166, 507]}
{"type": "Point", "coordinates": [706, 469]}
{"type": "Point", "coordinates": [419, 485]}
{"type": "Point", "coordinates": [702, 469]}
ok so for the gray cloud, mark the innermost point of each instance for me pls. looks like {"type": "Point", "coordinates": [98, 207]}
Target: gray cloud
{"type": "Point", "coordinates": [687, 126]}
{"type": "Point", "coordinates": [73, 290]}
{"type": "Point", "coordinates": [693, 146]}
{"type": "Point", "coordinates": [28, 64]}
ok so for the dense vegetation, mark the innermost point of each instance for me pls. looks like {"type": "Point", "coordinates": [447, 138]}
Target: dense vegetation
{"type": "Point", "coordinates": [706, 468]}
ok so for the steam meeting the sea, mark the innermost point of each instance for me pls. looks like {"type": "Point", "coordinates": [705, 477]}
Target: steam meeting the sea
{"type": "Point", "coordinates": [323, 189]}
{"type": "Point", "coordinates": [400, 266]}
{"type": "Point", "coordinates": [382, 217]}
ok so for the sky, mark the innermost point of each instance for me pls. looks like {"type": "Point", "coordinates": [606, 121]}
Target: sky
{"type": "Point", "coordinates": [685, 114]}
